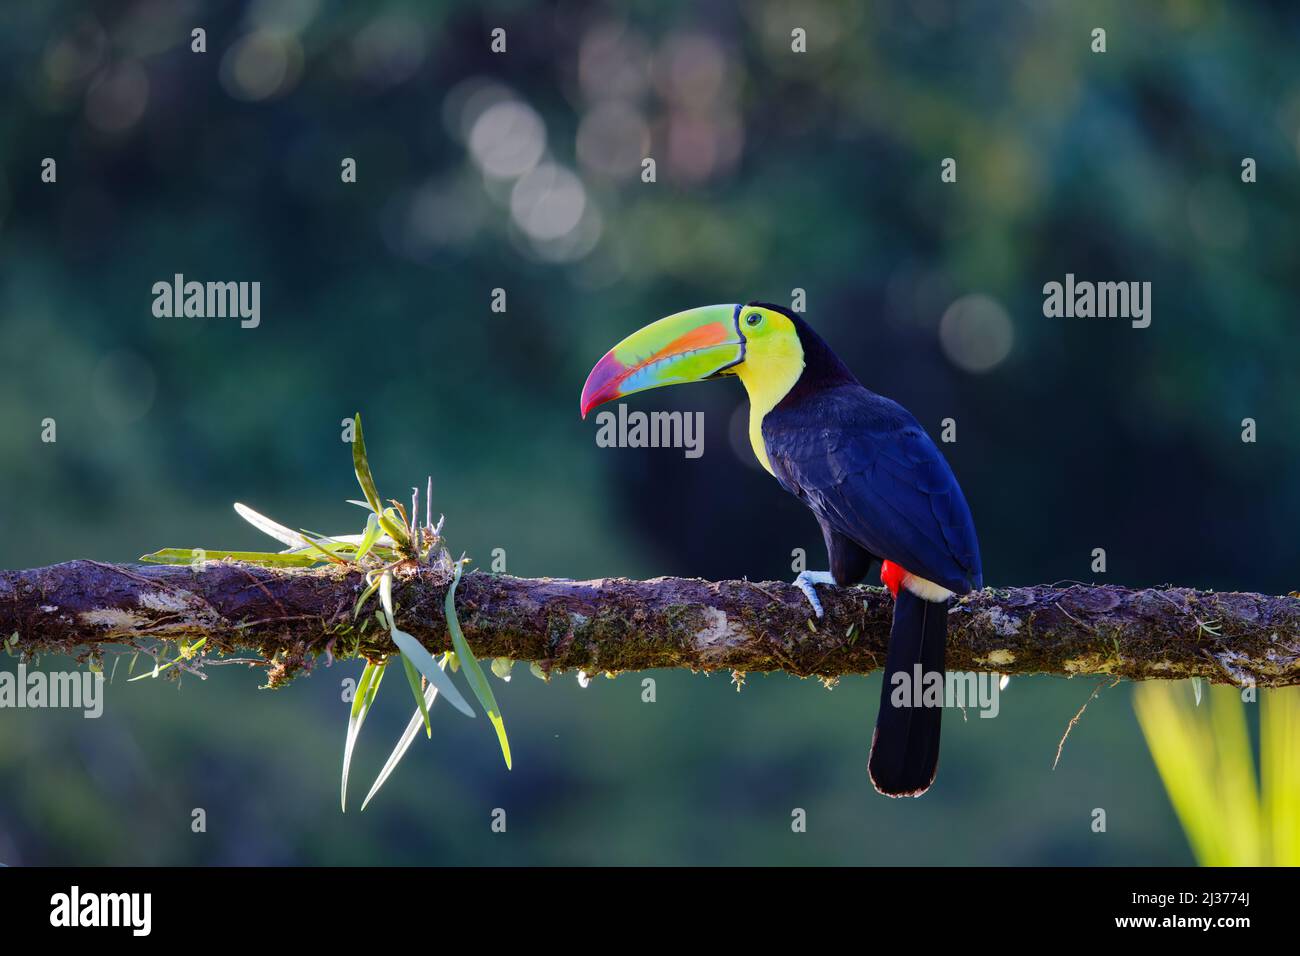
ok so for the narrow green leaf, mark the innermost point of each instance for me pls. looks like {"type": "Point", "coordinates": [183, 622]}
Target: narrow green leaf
{"type": "Point", "coordinates": [386, 599]}
{"type": "Point", "coordinates": [393, 525]}
{"type": "Point", "coordinates": [269, 558]}
{"type": "Point", "coordinates": [361, 465]}
{"type": "Point", "coordinates": [500, 725]}
{"type": "Point", "coordinates": [329, 548]}
{"type": "Point", "coordinates": [413, 677]}
{"type": "Point", "coordinates": [268, 527]}
{"type": "Point", "coordinates": [340, 542]}
{"type": "Point", "coordinates": [478, 681]}
{"type": "Point", "coordinates": [405, 741]}
{"type": "Point", "coordinates": [367, 687]}
{"type": "Point", "coordinates": [359, 694]}
{"type": "Point", "coordinates": [365, 596]}
{"type": "Point", "coordinates": [414, 650]}
{"type": "Point", "coordinates": [345, 542]}
{"type": "Point", "coordinates": [370, 537]}
{"type": "Point", "coordinates": [426, 665]}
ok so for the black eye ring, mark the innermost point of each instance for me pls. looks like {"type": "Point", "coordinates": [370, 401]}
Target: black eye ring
{"type": "Point", "coordinates": [753, 319]}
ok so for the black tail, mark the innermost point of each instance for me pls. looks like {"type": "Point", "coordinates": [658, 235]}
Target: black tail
{"type": "Point", "coordinates": [905, 747]}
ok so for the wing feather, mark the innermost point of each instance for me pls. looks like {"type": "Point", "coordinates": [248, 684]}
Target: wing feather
{"type": "Point", "coordinates": [866, 468]}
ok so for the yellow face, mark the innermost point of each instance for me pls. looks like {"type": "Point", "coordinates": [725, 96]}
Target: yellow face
{"type": "Point", "coordinates": [772, 346]}
{"type": "Point", "coordinates": [773, 363]}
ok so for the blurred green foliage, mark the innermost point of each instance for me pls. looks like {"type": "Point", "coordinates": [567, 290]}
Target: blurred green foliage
{"type": "Point", "coordinates": [1206, 761]}
{"type": "Point", "coordinates": [774, 171]}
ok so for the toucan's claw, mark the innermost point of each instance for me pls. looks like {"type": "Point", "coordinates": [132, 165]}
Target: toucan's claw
{"type": "Point", "coordinates": [805, 581]}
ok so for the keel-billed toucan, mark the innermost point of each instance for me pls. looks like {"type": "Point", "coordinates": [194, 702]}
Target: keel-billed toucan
{"type": "Point", "coordinates": [877, 484]}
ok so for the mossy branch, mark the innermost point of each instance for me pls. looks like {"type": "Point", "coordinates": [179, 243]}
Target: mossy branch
{"type": "Point", "coordinates": [291, 617]}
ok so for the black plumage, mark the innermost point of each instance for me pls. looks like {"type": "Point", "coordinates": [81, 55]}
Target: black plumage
{"type": "Point", "coordinates": [873, 478]}
{"type": "Point", "coordinates": [905, 744]}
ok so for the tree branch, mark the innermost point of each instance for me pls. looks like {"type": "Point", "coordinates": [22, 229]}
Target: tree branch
{"type": "Point", "coordinates": [290, 617]}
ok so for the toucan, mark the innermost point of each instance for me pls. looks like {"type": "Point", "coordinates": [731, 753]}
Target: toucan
{"type": "Point", "coordinates": [878, 486]}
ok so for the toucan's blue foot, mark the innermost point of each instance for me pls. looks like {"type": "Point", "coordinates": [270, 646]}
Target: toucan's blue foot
{"type": "Point", "coordinates": [805, 581]}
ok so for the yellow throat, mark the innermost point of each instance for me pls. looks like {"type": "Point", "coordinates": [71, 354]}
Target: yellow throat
{"type": "Point", "coordinates": [773, 363]}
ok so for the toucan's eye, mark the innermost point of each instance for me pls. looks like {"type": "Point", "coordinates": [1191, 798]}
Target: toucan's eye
{"type": "Point", "coordinates": [753, 319]}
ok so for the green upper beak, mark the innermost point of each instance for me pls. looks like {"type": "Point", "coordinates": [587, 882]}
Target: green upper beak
{"type": "Point", "coordinates": [687, 347]}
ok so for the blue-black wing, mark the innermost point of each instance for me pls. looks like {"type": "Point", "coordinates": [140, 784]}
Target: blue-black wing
{"type": "Point", "coordinates": [869, 471]}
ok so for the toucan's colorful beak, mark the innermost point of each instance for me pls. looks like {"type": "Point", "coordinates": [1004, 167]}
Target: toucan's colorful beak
{"type": "Point", "coordinates": [687, 347]}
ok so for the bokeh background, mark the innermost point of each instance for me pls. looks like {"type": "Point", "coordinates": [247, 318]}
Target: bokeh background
{"type": "Point", "coordinates": [521, 171]}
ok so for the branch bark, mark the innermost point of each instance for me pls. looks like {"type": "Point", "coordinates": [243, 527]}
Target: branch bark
{"type": "Point", "coordinates": [290, 618]}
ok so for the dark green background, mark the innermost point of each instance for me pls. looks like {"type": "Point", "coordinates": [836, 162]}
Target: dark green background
{"type": "Point", "coordinates": [1116, 166]}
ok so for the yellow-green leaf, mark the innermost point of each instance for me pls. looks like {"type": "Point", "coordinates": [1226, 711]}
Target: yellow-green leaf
{"type": "Point", "coordinates": [415, 652]}
{"type": "Point", "coordinates": [370, 537]}
{"type": "Point", "coordinates": [413, 678]}
{"type": "Point", "coordinates": [404, 742]}
{"type": "Point", "coordinates": [361, 465]}
{"type": "Point", "coordinates": [478, 681]}
{"type": "Point", "coordinates": [367, 687]}
{"type": "Point", "coordinates": [268, 558]}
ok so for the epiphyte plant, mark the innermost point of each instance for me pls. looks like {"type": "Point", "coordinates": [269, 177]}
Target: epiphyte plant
{"type": "Point", "coordinates": [393, 543]}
